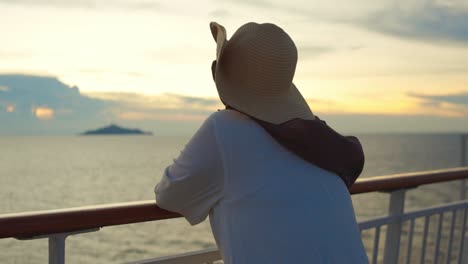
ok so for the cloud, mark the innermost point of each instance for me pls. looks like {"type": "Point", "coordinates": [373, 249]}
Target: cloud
{"type": "Point", "coordinates": [458, 99]}
{"type": "Point", "coordinates": [32, 105]}
{"type": "Point", "coordinates": [44, 105]}
{"type": "Point", "coordinates": [190, 100]}
{"type": "Point", "coordinates": [42, 112]}
{"type": "Point", "coordinates": [165, 100]}
{"type": "Point", "coordinates": [377, 123]}
{"type": "Point", "coordinates": [429, 20]}
{"type": "Point", "coordinates": [312, 51]}
{"type": "Point", "coordinates": [297, 10]}
{"type": "Point", "coordinates": [14, 55]}
{"type": "Point", "coordinates": [260, 3]}
{"type": "Point", "coordinates": [109, 72]}
{"type": "Point", "coordinates": [220, 13]}
{"type": "Point", "coordinates": [167, 106]}
{"type": "Point", "coordinates": [312, 11]}
{"type": "Point", "coordinates": [30, 99]}
{"type": "Point", "coordinates": [455, 104]}
{"type": "Point", "coordinates": [89, 4]}
{"type": "Point", "coordinates": [425, 20]}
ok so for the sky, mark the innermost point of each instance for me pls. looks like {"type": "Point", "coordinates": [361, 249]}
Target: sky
{"type": "Point", "coordinates": [364, 65]}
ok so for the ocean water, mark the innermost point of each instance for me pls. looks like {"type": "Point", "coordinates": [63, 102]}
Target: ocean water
{"type": "Point", "coordinates": [40, 173]}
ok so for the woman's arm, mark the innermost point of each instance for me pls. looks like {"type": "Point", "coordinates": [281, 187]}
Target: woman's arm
{"type": "Point", "coordinates": [193, 184]}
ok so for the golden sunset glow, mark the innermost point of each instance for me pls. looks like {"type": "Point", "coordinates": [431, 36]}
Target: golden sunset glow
{"type": "Point", "coordinates": [10, 108]}
{"type": "Point", "coordinates": [43, 113]}
{"type": "Point", "coordinates": [381, 58]}
{"type": "Point", "coordinates": [160, 117]}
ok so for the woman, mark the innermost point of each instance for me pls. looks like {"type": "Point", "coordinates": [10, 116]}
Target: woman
{"type": "Point", "coordinates": [272, 176]}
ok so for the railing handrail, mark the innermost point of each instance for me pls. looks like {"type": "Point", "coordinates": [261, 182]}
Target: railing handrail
{"type": "Point", "coordinates": [23, 225]}
{"type": "Point", "coordinates": [407, 180]}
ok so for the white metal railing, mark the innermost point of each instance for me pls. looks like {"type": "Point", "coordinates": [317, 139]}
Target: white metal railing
{"type": "Point", "coordinates": [395, 227]}
{"type": "Point", "coordinates": [397, 218]}
{"type": "Point", "coordinates": [463, 163]}
{"type": "Point", "coordinates": [456, 251]}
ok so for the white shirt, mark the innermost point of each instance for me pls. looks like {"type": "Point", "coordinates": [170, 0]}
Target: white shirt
{"type": "Point", "coordinates": [266, 205]}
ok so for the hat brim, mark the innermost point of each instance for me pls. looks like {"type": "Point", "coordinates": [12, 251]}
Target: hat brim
{"type": "Point", "coordinates": [219, 35]}
{"type": "Point", "coordinates": [275, 109]}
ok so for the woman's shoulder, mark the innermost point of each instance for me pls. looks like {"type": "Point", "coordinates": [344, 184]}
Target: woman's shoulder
{"type": "Point", "coordinates": [231, 123]}
{"type": "Point", "coordinates": [223, 120]}
{"type": "Point", "coordinates": [229, 116]}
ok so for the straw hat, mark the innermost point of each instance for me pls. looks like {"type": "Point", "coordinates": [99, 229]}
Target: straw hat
{"type": "Point", "coordinates": [254, 72]}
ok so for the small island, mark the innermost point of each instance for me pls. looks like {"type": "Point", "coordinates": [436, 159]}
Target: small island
{"type": "Point", "coordinates": [116, 130]}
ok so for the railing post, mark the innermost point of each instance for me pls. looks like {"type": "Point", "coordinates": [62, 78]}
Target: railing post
{"type": "Point", "coordinates": [464, 139]}
{"type": "Point", "coordinates": [57, 248]}
{"type": "Point", "coordinates": [392, 239]}
{"type": "Point", "coordinates": [57, 244]}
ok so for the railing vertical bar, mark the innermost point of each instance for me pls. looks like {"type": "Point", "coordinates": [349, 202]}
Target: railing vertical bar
{"type": "Point", "coordinates": [462, 237]}
{"type": "Point", "coordinates": [424, 242]}
{"type": "Point", "coordinates": [376, 245]}
{"type": "Point", "coordinates": [57, 249]}
{"type": "Point", "coordinates": [392, 239]}
{"type": "Point", "coordinates": [464, 139]}
{"type": "Point", "coordinates": [439, 232]}
{"type": "Point", "coordinates": [410, 241]}
{"type": "Point", "coordinates": [452, 227]}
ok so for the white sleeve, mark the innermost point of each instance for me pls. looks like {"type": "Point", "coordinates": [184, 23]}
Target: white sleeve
{"type": "Point", "coordinates": [194, 183]}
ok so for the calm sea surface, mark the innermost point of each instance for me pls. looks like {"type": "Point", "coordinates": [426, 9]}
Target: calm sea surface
{"type": "Point", "coordinates": [40, 173]}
